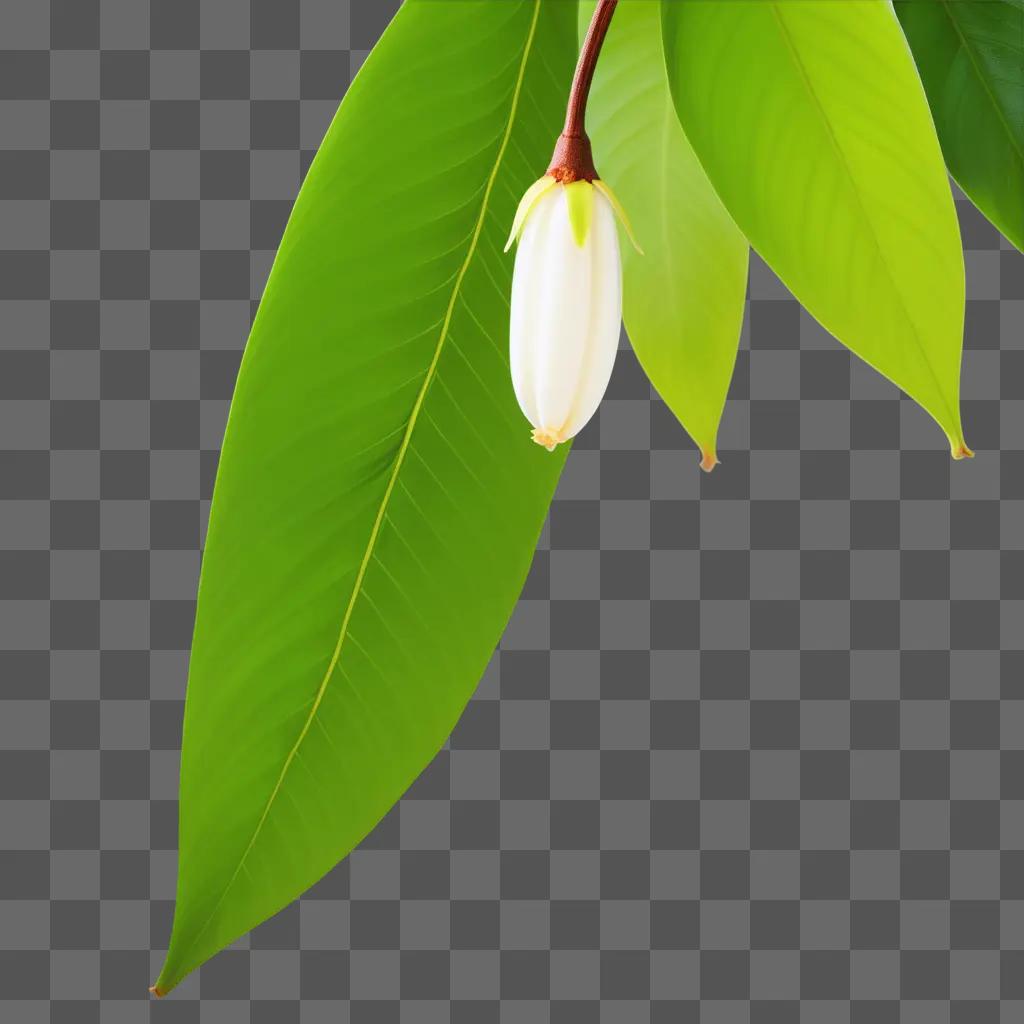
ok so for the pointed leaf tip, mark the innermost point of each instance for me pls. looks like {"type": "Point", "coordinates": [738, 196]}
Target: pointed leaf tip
{"type": "Point", "coordinates": [708, 459]}
{"type": "Point", "coordinates": [157, 992]}
{"type": "Point", "coordinates": [961, 451]}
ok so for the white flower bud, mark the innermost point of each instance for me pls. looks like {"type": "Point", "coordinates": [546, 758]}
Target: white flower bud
{"type": "Point", "coordinates": [566, 305]}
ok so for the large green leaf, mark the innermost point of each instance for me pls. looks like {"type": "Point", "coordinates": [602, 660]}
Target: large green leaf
{"type": "Point", "coordinates": [379, 497]}
{"type": "Point", "coordinates": [971, 59]}
{"type": "Point", "coordinates": [683, 298]}
{"type": "Point", "coordinates": [811, 122]}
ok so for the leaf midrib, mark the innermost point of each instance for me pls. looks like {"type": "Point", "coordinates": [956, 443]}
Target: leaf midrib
{"type": "Point", "coordinates": [840, 153]}
{"type": "Point", "coordinates": [396, 467]}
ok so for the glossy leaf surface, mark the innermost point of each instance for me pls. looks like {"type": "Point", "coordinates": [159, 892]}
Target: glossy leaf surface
{"type": "Point", "coordinates": [811, 122]}
{"type": "Point", "coordinates": [971, 59]}
{"type": "Point", "coordinates": [378, 498]}
{"type": "Point", "coordinates": [683, 297]}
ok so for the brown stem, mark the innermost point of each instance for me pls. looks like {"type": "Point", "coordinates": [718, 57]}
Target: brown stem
{"type": "Point", "coordinates": [573, 159]}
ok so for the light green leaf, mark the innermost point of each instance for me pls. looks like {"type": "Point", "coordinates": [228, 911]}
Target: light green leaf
{"type": "Point", "coordinates": [971, 59]}
{"type": "Point", "coordinates": [379, 497]}
{"type": "Point", "coordinates": [683, 298]}
{"type": "Point", "coordinates": [811, 122]}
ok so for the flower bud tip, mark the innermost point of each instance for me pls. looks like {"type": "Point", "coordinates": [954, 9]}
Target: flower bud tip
{"type": "Point", "coordinates": [961, 451]}
{"type": "Point", "coordinates": [548, 438]}
{"type": "Point", "coordinates": [708, 459]}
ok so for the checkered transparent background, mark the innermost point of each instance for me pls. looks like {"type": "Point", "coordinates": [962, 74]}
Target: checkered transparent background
{"type": "Point", "coordinates": [752, 749]}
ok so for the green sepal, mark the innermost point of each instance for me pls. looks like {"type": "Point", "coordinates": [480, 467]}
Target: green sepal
{"type": "Point", "coordinates": [579, 198]}
{"type": "Point", "coordinates": [620, 211]}
{"type": "Point", "coordinates": [526, 205]}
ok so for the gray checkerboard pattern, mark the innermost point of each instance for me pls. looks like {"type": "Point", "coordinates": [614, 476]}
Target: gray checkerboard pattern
{"type": "Point", "coordinates": [752, 749]}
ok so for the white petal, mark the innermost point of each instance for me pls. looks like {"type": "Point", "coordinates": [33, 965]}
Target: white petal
{"type": "Point", "coordinates": [605, 317]}
{"type": "Point", "coordinates": [527, 278]}
{"type": "Point", "coordinates": [566, 316]}
{"type": "Point", "coordinates": [564, 325]}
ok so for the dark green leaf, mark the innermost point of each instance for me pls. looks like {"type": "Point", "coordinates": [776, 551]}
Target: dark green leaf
{"type": "Point", "coordinates": [971, 59]}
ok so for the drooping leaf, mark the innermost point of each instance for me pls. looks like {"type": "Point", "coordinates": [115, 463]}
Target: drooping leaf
{"type": "Point", "coordinates": [971, 59]}
{"type": "Point", "coordinates": [811, 122]}
{"type": "Point", "coordinates": [378, 498]}
{"type": "Point", "coordinates": [683, 297]}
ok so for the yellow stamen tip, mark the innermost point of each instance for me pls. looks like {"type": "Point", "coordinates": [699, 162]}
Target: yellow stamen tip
{"type": "Point", "coordinates": [547, 437]}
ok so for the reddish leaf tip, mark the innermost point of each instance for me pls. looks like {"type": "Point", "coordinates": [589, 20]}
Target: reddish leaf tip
{"type": "Point", "coordinates": [961, 451]}
{"type": "Point", "coordinates": [159, 993]}
{"type": "Point", "coordinates": [708, 459]}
